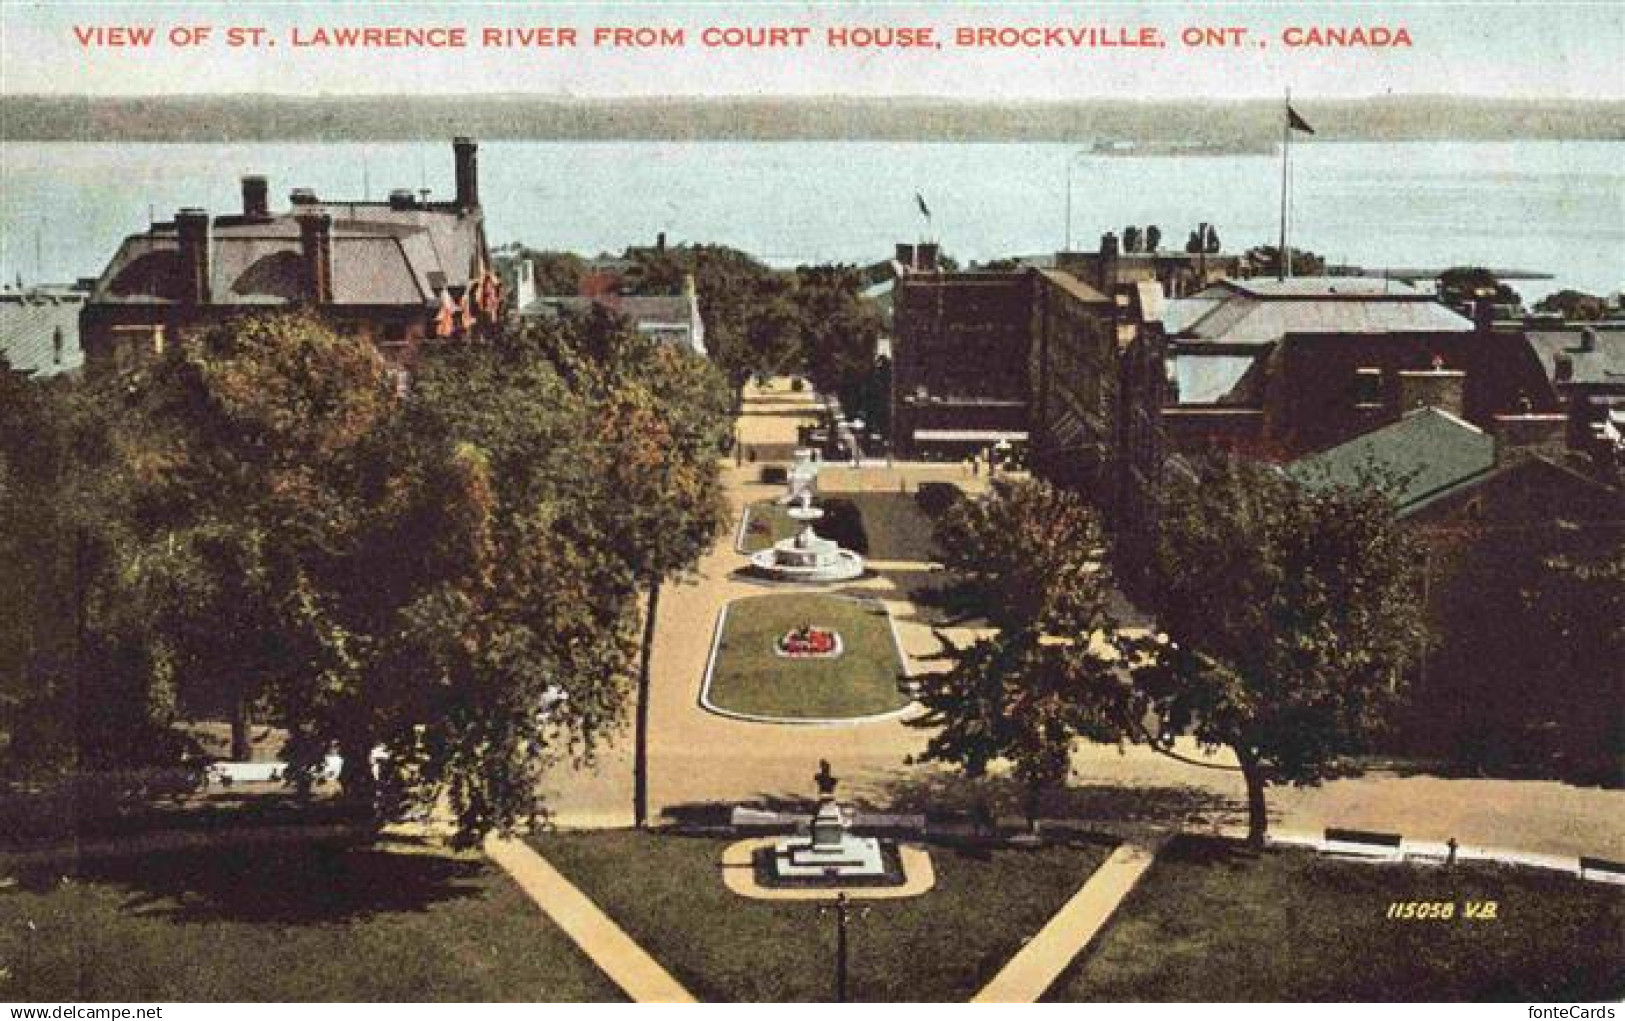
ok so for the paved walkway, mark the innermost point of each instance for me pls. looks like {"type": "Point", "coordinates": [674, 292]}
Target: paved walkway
{"type": "Point", "coordinates": [1038, 964]}
{"type": "Point", "coordinates": [698, 759]}
{"type": "Point", "coordinates": [628, 965]}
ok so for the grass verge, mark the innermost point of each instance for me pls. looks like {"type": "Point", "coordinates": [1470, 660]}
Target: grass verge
{"type": "Point", "coordinates": [304, 922]}
{"type": "Point", "coordinates": [1212, 921]}
{"type": "Point", "coordinates": [748, 676]}
{"type": "Point", "coordinates": [667, 892]}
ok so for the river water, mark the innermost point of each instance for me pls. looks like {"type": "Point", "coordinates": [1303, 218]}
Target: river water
{"type": "Point", "coordinates": [1553, 207]}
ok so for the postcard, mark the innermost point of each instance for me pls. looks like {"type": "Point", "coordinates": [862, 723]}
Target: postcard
{"type": "Point", "coordinates": [552, 501]}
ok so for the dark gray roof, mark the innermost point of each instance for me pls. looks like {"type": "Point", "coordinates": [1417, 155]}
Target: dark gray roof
{"type": "Point", "coordinates": [381, 256]}
{"type": "Point", "coordinates": [1261, 312]}
{"type": "Point", "coordinates": [1426, 455]}
{"type": "Point", "coordinates": [642, 310]}
{"type": "Point", "coordinates": [1602, 366]}
{"type": "Point", "coordinates": [30, 323]}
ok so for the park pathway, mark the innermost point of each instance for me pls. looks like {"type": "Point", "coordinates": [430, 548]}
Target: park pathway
{"type": "Point", "coordinates": [628, 965]}
{"type": "Point", "coordinates": [1038, 964]}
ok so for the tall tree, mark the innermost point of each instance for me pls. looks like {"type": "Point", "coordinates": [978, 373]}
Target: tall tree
{"type": "Point", "coordinates": [662, 419]}
{"type": "Point", "coordinates": [1287, 618]}
{"type": "Point", "coordinates": [1026, 561]}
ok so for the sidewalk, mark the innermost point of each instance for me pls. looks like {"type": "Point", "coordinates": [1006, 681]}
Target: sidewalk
{"type": "Point", "coordinates": [1038, 964]}
{"type": "Point", "coordinates": [605, 943]}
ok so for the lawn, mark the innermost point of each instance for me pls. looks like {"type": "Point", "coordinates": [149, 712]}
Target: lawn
{"type": "Point", "coordinates": [284, 923]}
{"type": "Point", "coordinates": [768, 522]}
{"type": "Point", "coordinates": [748, 676]}
{"type": "Point", "coordinates": [1214, 922]}
{"type": "Point", "coordinates": [666, 891]}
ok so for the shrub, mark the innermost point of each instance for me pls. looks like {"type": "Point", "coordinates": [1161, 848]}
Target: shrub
{"type": "Point", "coordinates": [936, 498]}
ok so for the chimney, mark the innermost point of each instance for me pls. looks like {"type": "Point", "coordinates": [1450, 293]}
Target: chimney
{"type": "Point", "coordinates": [1440, 388]}
{"type": "Point", "coordinates": [192, 232]}
{"type": "Point", "coordinates": [302, 196]}
{"type": "Point", "coordinates": [1588, 340]}
{"type": "Point", "coordinates": [660, 241]}
{"type": "Point", "coordinates": [465, 150]}
{"type": "Point", "coordinates": [402, 198]}
{"type": "Point", "coordinates": [256, 197]}
{"type": "Point", "coordinates": [925, 256]}
{"type": "Point", "coordinates": [905, 255]}
{"type": "Point", "coordinates": [1563, 368]}
{"type": "Point", "coordinates": [316, 242]}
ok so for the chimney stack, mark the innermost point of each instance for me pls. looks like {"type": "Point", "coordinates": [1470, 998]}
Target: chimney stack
{"type": "Point", "coordinates": [905, 256]}
{"type": "Point", "coordinates": [302, 197]}
{"type": "Point", "coordinates": [256, 197]}
{"type": "Point", "coordinates": [1588, 340]}
{"type": "Point", "coordinates": [466, 152]}
{"type": "Point", "coordinates": [926, 256]}
{"type": "Point", "coordinates": [402, 198]}
{"type": "Point", "coordinates": [316, 242]}
{"type": "Point", "coordinates": [192, 233]}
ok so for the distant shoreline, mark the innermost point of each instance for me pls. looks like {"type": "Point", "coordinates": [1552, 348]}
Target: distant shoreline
{"type": "Point", "coordinates": [1194, 128]}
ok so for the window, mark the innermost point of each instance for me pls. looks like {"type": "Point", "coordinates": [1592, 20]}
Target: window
{"type": "Point", "coordinates": [1368, 387]}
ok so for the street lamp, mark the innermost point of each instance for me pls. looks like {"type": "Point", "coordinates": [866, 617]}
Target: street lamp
{"type": "Point", "coordinates": [843, 911]}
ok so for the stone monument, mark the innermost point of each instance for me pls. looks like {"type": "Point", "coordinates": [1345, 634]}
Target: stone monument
{"type": "Point", "coordinates": [829, 852]}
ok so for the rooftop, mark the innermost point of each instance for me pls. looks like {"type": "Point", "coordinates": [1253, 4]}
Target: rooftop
{"type": "Point", "coordinates": [1602, 364]}
{"type": "Point", "coordinates": [39, 330]}
{"type": "Point", "coordinates": [381, 256]}
{"type": "Point", "coordinates": [1259, 312]}
{"type": "Point", "coordinates": [1426, 455]}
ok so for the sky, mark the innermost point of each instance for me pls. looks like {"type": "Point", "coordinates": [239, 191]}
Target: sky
{"type": "Point", "coordinates": [1515, 49]}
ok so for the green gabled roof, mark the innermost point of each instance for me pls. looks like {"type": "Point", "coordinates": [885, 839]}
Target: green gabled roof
{"type": "Point", "coordinates": [1425, 455]}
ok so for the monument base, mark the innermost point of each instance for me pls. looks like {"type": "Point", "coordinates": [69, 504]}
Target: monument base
{"type": "Point", "coordinates": [776, 866]}
{"type": "Point", "coordinates": [852, 857]}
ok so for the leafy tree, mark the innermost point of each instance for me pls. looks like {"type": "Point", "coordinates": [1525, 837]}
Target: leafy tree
{"type": "Point", "coordinates": [1288, 616]}
{"type": "Point", "coordinates": [555, 272]}
{"type": "Point", "coordinates": [1580, 608]}
{"type": "Point", "coordinates": [1265, 261]}
{"type": "Point", "coordinates": [1462, 287]}
{"type": "Point", "coordinates": [1027, 561]}
{"type": "Point", "coordinates": [662, 417]}
{"type": "Point", "coordinates": [79, 686]}
{"type": "Point", "coordinates": [1574, 306]}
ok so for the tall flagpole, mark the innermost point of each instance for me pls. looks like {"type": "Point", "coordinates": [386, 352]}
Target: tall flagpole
{"type": "Point", "coordinates": [1283, 264]}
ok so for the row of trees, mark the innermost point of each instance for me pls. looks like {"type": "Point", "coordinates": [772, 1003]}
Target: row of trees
{"type": "Point", "coordinates": [267, 519]}
{"type": "Point", "coordinates": [759, 321]}
{"type": "Point", "coordinates": [1286, 621]}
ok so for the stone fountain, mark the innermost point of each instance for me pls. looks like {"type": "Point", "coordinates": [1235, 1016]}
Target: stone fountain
{"type": "Point", "coordinates": [806, 556]}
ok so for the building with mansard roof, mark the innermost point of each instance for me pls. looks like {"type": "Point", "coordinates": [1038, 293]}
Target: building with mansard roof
{"type": "Point", "coordinates": [400, 271]}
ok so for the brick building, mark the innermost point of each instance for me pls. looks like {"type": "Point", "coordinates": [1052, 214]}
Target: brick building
{"type": "Point", "coordinates": [399, 271]}
{"type": "Point", "coordinates": [961, 345]}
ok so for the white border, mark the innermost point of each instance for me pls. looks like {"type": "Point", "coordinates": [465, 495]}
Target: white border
{"type": "Point", "coordinates": [908, 709]}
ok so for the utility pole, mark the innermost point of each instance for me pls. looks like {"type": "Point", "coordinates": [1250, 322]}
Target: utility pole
{"type": "Point", "coordinates": [1283, 262]}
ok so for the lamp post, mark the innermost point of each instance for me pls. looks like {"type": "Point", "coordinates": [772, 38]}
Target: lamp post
{"type": "Point", "coordinates": [843, 911]}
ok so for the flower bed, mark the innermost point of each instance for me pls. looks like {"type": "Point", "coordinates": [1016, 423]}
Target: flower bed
{"type": "Point", "coordinates": [808, 642]}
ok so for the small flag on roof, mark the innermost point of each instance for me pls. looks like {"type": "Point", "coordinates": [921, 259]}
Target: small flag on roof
{"type": "Point", "coordinates": [1297, 123]}
{"type": "Point", "coordinates": [925, 210]}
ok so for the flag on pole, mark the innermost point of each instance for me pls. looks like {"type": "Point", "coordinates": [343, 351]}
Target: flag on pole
{"type": "Point", "coordinates": [1297, 123]}
{"type": "Point", "coordinates": [925, 210]}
